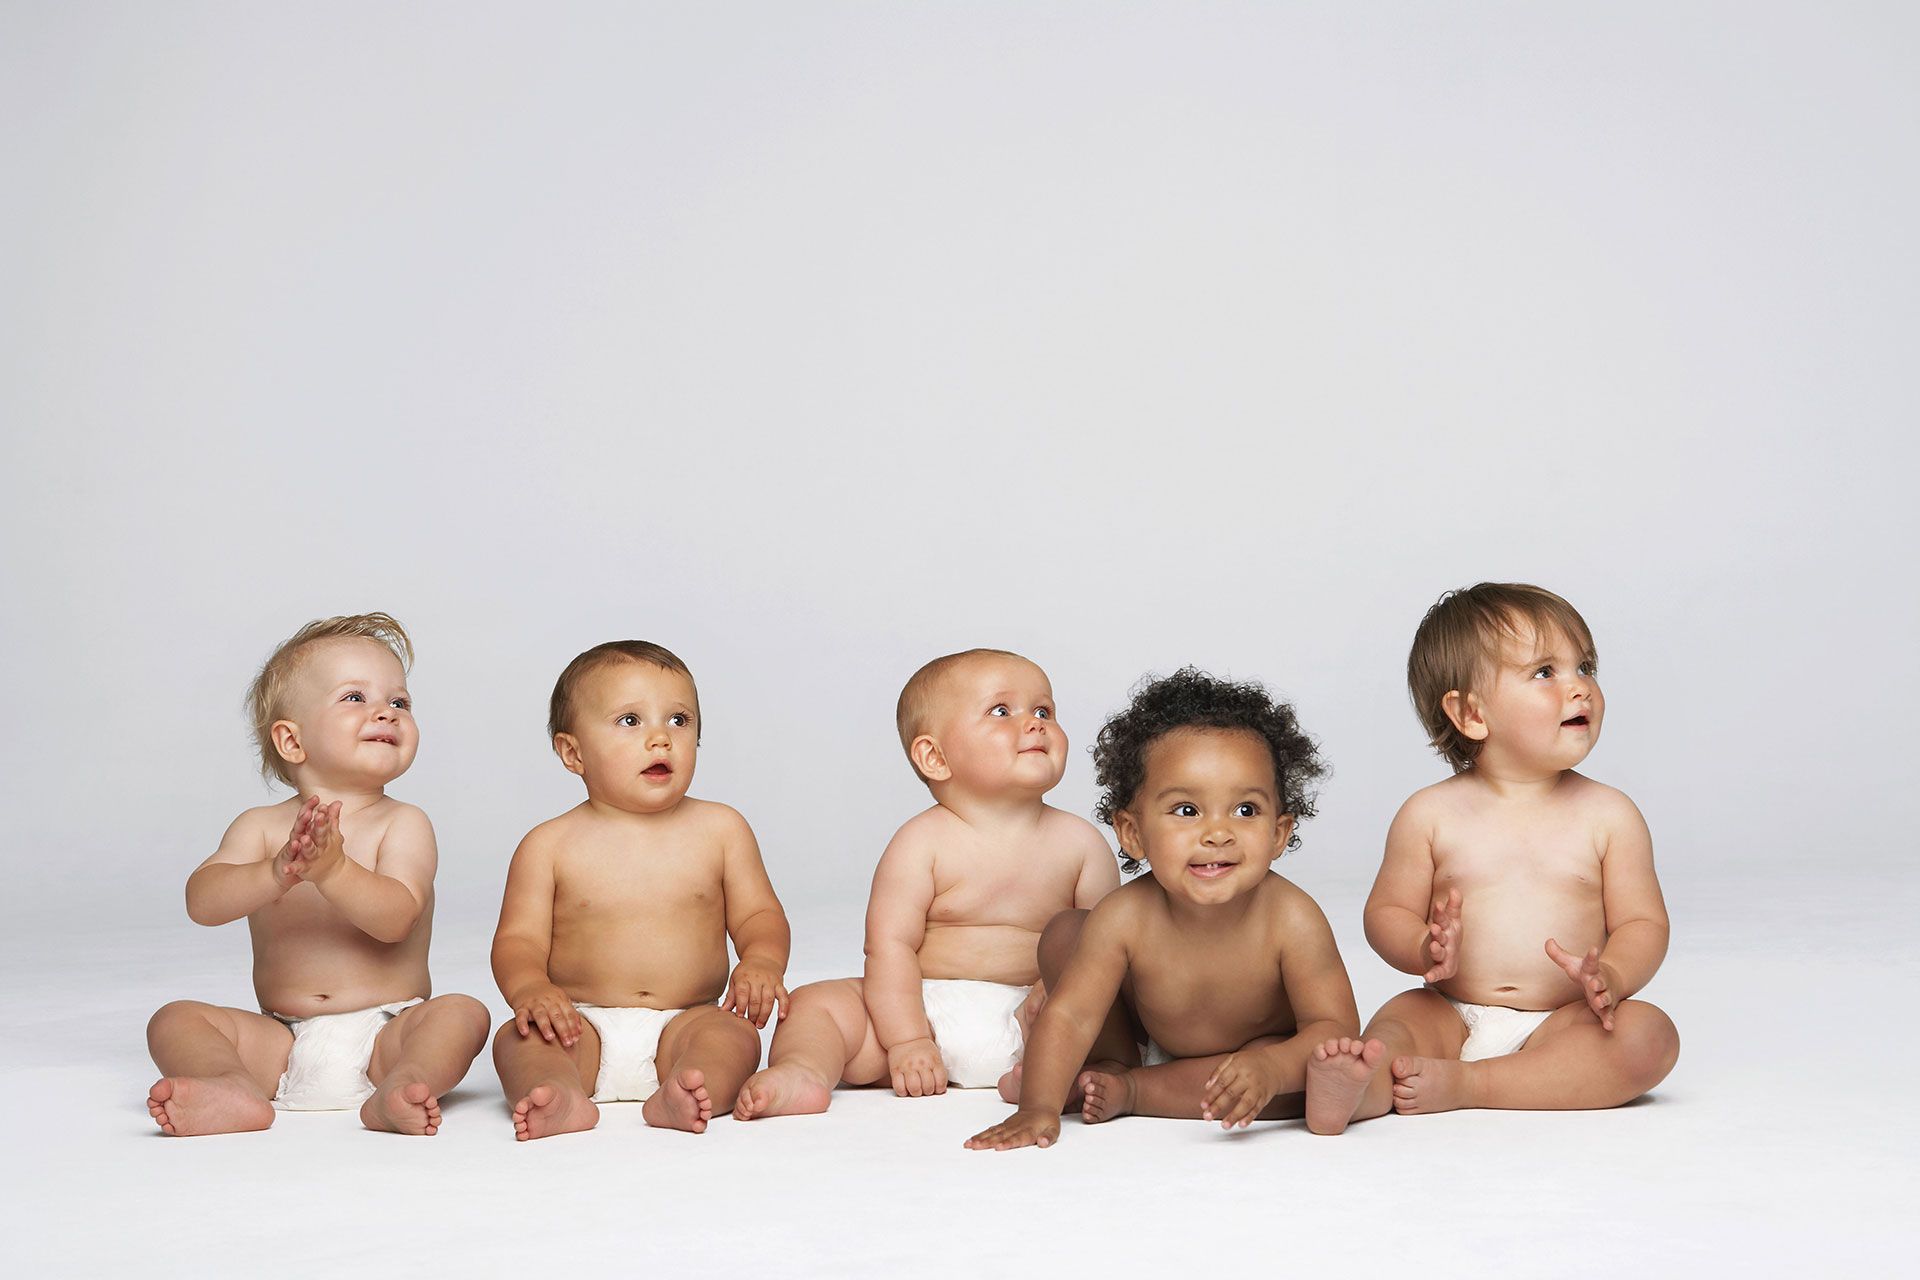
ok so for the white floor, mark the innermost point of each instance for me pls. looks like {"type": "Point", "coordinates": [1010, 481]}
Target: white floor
{"type": "Point", "coordinates": [1783, 1142]}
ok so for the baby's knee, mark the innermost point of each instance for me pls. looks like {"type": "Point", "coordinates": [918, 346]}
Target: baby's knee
{"type": "Point", "coordinates": [464, 1011]}
{"type": "Point", "coordinates": [1649, 1040]}
{"type": "Point", "coordinates": [176, 1015]}
{"type": "Point", "coordinates": [1057, 939]}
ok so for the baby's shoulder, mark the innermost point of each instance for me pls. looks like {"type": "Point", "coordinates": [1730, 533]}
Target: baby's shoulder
{"type": "Point", "coordinates": [1607, 805]}
{"type": "Point", "coordinates": [711, 816]}
{"type": "Point", "coordinates": [1287, 904]}
{"type": "Point", "coordinates": [925, 831]}
{"type": "Point", "coordinates": [1070, 830]}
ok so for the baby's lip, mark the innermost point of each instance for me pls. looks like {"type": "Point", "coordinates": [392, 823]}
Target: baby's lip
{"type": "Point", "coordinates": [1217, 867]}
{"type": "Point", "coordinates": [391, 740]}
{"type": "Point", "coordinates": [1574, 722]}
{"type": "Point", "coordinates": [1041, 747]}
{"type": "Point", "coordinates": [658, 769]}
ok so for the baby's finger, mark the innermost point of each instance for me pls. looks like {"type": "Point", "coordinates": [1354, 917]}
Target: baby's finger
{"type": "Point", "coordinates": [520, 1021]}
{"type": "Point", "coordinates": [781, 998]}
{"type": "Point", "coordinates": [545, 1023]}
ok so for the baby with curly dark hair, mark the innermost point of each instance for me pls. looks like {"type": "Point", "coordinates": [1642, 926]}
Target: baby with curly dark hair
{"type": "Point", "coordinates": [1223, 969]}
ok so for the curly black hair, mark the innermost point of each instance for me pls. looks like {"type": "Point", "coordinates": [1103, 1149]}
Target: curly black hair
{"type": "Point", "coordinates": [1192, 699]}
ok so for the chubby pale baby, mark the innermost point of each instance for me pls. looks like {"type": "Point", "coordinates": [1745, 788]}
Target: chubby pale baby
{"type": "Point", "coordinates": [336, 884]}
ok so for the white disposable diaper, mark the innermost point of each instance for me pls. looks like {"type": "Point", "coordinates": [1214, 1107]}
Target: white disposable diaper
{"type": "Point", "coordinates": [1493, 1030]}
{"type": "Point", "coordinates": [629, 1038]}
{"type": "Point", "coordinates": [327, 1068]}
{"type": "Point", "coordinates": [977, 1027]}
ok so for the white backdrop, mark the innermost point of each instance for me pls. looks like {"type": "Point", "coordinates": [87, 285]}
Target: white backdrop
{"type": "Point", "coordinates": [815, 340]}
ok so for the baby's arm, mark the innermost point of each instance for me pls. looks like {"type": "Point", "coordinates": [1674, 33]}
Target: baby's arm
{"type": "Point", "coordinates": [1065, 1031]}
{"type": "Point", "coordinates": [236, 880]}
{"type": "Point", "coordinates": [1405, 925]}
{"type": "Point", "coordinates": [1099, 871]}
{"type": "Point", "coordinates": [903, 892]}
{"type": "Point", "coordinates": [522, 943]}
{"type": "Point", "coordinates": [761, 936]}
{"type": "Point", "coordinates": [383, 901]}
{"type": "Point", "coordinates": [1636, 914]}
{"type": "Point", "coordinates": [1322, 999]}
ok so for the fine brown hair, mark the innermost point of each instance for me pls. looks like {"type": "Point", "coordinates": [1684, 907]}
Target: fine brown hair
{"type": "Point", "coordinates": [1458, 646]}
{"type": "Point", "coordinates": [267, 695]}
{"type": "Point", "coordinates": [914, 711]}
{"type": "Point", "coordinates": [560, 706]}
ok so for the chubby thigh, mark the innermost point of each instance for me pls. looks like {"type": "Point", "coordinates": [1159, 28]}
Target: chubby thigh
{"type": "Point", "coordinates": [190, 1038]}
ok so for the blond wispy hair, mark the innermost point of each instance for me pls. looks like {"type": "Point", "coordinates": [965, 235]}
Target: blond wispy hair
{"type": "Point", "coordinates": [267, 695]}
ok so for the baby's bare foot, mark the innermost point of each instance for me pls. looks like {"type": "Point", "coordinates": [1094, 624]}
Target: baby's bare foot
{"type": "Point", "coordinates": [681, 1102]}
{"type": "Point", "coordinates": [1337, 1077]}
{"type": "Point", "coordinates": [1010, 1084]}
{"type": "Point", "coordinates": [785, 1090]}
{"type": "Point", "coordinates": [399, 1106]}
{"type": "Point", "coordinates": [1108, 1095]}
{"type": "Point", "coordinates": [186, 1106]}
{"type": "Point", "coordinates": [1422, 1086]}
{"type": "Point", "coordinates": [549, 1109]}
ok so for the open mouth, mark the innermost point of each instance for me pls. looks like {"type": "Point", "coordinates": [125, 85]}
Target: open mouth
{"type": "Point", "coordinates": [657, 771]}
{"type": "Point", "coordinates": [1578, 722]}
{"type": "Point", "coordinates": [387, 738]}
{"type": "Point", "coordinates": [1211, 870]}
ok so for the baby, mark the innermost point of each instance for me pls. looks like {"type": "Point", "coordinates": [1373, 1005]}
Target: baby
{"type": "Point", "coordinates": [1545, 915]}
{"type": "Point", "coordinates": [612, 945]}
{"type": "Point", "coordinates": [961, 895]}
{"type": "Point", "coordinates": [336, 883]}
{"type": "Point", "coordinates": [1226, 972]}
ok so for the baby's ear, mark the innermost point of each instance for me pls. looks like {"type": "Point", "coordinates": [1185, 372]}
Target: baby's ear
{"type": "Point", "coordinates": [568, 750]}
{"type": "Point", "coordinates": [1464, 710]}
{"type": "Point", "coordinates": [1127, 833]}
{"type": "Point", "coordinates": [929, 759]}
{"type": "Point", "coordinates": [285, 736]}
{"type": "Point", "coordinates": [1285, 831]}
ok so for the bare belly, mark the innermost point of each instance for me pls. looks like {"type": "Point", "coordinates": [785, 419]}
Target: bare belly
{"type": "Point", "coordinates": [983, 952]}
{"type": "Point", "coordinates": [643, 977]}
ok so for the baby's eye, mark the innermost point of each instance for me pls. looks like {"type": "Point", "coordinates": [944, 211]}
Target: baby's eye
{"type": "Point", "coordinates": [1043, 713]}
{"type": "Point", "coordinates": [403, 704]}
{"type": "Point", "coordinates": [1588, 668]}
{"type": "Point", "coordinates": [678, 719]}
{"type": "Point", "coordinates": [354, 696]}
{"type": "Point", "coordinates": [1246, 809]}
{"type": "Point", "coordinates": [1544, 673]}
{"type": "Point", "coordinates": [1184, 810]}
{"type": "Point", "coordinates": [1001, 709]}
{"type": "Point", "coordinates": [628, 720]}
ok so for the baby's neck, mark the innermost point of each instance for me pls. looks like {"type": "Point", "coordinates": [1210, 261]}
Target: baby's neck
{"type": "Point", "coordinates": [352, 798]}
{"type": "Point", "coordinates": [1512, 780]}
{"type": "Point", "coordinates": [1022, 809]}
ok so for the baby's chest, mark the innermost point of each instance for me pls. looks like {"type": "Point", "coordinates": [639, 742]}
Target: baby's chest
{"type": "Point", "coordinates": [1482, 857]}
{"type": "Point", "coordinates": [1026, 894]}
{"type": "Point", "coordinates": [636, 888]}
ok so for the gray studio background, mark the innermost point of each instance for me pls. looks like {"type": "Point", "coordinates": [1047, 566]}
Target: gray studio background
{"type": "Point", "coordinates": [813, 341]}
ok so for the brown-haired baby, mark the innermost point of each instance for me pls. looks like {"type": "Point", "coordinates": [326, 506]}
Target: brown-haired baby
{"type": "Point", "coordinates": [612, 945]}
{"type": "Point", "coordinates": [336, 883]}
{"type": "Point", "coordinates": [1521, 892]}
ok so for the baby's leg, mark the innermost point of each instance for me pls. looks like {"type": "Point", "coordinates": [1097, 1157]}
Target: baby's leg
{"type": "Point", "coordinates": [826, 1039]}
{"type": "Point", "coordinates": [1114, 1049]}
{"type": "Point", "coordinates": [1176, 1090]}
{"type": "Point", "coordinates": [417, 1057]}
{"type": "Point", "coordinates": [219, 1068]}
{"type": "Point", "coordinates": [705, 1055]}
{"type": "Point", "coordinates": [546, 1084]}
{"type": "Point", "coordinates": [1350, 1079]}
{"type": "Point", "coordinates": [1571, 1063]}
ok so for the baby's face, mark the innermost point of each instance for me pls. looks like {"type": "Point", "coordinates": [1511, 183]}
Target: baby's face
{"type": "Point", "coordinates": [633, 736]}
{"type": "Point", "coordinates": [1541, 704]}
{"type": "Point", "coordinates": [995, 726]}
{"type": "Point", "coordinates": [352, 716]}
{"type": "Point", "coordinates": [1207, 818]}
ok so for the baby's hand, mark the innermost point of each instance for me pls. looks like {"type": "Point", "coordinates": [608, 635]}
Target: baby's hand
{"type": "Point", "coordinates": [1030, 1009]}
{"type": "Point", "coordinates": [1587, 971]}
{"type": "Point", "coordinates": [323, 849]}
{"type": "Point", "coordinates": [287, 864]}
{"type": "Point", "coordinates": [1237, 1091]}
{"type": "Point", "coordinates": [547, 1008]}
{"type": "Point", "coordinates": [1443, 938]}
{"type": "Point", "coordinates": [1022, 1129]}
{"type": "Point", "coordinates": [916, 1069]}
{"type": "Point", "coordinates": [754, 992]}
